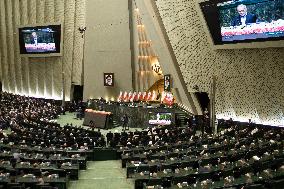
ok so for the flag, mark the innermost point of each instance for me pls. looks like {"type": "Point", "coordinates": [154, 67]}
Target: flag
{"type": "Point", "coordinates": [149, 96]}
{"type": "Point", "coordinates": [139, 96]}
{"type": "Point", "coordinates": [144, 96]}
{"type": "Point", "coordinates": [154, 96]}
{"type": "Point", "coordinates": [168, 98]}
{"type": "Point", "coordinates": [130, 96]}
{"type": "Point", "coordinates": [125, 96]}
{"type": "Point", "coordinates": [119, 99]}
{"type": "Point", "coordinates": [163, 96]}
{"type": "Point", "coordinates": [134, 96]}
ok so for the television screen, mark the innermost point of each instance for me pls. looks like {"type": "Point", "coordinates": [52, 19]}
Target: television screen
{"type": "Point", "coordinates": [40, 39]}
{"type": "Point", "coordinates": [240, 21]}
{"type": "Point", "coordinates": [160, 118]}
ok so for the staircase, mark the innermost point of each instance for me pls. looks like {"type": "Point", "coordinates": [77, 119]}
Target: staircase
{"type": "Point", "coordinates": [182, 117]}
{"type": "Point", "coordinates": [116, 123]}
{"type": "Point", "coordinates": [102, 175]}
{"type": "Point", "coordinates": [182, 114]}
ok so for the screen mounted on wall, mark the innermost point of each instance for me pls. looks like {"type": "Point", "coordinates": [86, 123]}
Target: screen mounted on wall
{"type": "Point", "coordinates": [160, 118]}
{"type": "Point", "coordinates": [244, 21]}
{"type": "Point", "coordinates": [40, 40]}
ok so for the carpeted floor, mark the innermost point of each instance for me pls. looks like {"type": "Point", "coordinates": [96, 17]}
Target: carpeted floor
{"type": "Point", "coordinates": [99, 174]}
{"type": "Point", "coordinates": [102, 175]}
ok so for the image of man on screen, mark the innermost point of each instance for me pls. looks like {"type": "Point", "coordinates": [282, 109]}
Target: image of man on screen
{"type": "Point", "coordinates": [34, 38]}
{"type": "Point", "coordinates": [244, 17]}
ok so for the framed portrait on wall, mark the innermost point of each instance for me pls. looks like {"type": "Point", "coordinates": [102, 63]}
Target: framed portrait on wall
{"type": "Point", "coordinates": [109, 79]}
{"type": "Point", "coordinates": [167, 82]}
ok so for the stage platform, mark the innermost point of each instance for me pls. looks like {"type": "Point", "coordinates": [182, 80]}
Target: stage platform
{"type": "Point", "coordinates": [139, 114]}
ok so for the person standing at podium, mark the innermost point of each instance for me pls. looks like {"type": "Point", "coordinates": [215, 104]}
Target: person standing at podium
{"type": "Point", "coordinates": [125, 122]}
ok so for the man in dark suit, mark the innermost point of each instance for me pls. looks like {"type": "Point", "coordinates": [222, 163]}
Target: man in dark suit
{"type": "Point", "coordinates": [243, 18]}
{"type": "Point", "coordinates": [125, 122]}
{"type": "Point", "coordinates": [34, 38]}
{"type": "Point", "coordinates": [109, 137]}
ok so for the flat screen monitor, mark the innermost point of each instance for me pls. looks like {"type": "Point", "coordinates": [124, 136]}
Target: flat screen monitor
{"type": "Point", "coordinates": [160, 118]}
{"type": "Point", "coordinates": [245, 23]}
{"type": "Point", "coordinates": [44, 40]}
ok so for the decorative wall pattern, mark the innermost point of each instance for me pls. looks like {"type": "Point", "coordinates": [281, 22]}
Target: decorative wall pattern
{"type": "Point", "coordinates": [41, 76]}
{"type": "Point", "coordinates": [250, 82]}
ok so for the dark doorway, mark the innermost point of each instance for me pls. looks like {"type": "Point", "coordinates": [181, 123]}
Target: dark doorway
{"type": "Point", "coordinates": [203, 121]}
{"type": "Point", "coordinates": [0, 86]}
{"type": "Point", "coordinates": [203, 100]}
{"type": "Point", "coordinates": [77, 92]}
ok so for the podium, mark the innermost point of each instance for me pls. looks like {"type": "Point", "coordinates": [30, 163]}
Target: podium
{"type": "Point", "coordinates": [98, 119]}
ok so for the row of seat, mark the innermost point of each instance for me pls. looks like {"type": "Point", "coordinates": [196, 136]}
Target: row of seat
{"type": "Point", "coordinates": [162, 165]}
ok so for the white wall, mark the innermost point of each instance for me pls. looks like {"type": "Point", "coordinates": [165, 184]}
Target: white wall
{"type": "Point", "coordinates": [107, 48]}
{"type": "Point", "coordinates": [41, 77]}
{"type": "Point", "coordinates": [250, 82]}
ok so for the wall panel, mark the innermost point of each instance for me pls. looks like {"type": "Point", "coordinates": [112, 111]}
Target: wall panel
{"type": "Point", "coordinates": [17, 59]}
{"type": "Point", "coordinates": [24, 60]}
{"type": "Point", "coordinates": [69, 10]}
{"type": "Point", "coordinates": [40, 67]}
{"type": "Point", "coordinates": [1, 68]}
{"type": "Point", "coordinates": [50, 61]}
{"type": "Point", "coordinates": [40, 76]}
{"type": "Point", "coordinates": [78, 42]}
{"type": "Point", "coordinates": [4, 44]}
{"type": "Point", "coordinates": [33, 62]}
{"type": "Point", "coordinates": [1, 76]}
{"type": "Point", "coordinates": [10, 45]}
{"type": "Point", "coordinates": [58, 63]}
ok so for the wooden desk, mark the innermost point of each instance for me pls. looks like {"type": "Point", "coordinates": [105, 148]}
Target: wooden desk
{"type": "Point", "coordinates": [100, 119]}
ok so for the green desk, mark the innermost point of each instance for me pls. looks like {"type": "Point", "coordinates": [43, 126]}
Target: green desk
{"type": "Point", "coordinates": [4, 181]}
{"type": "Point", "coordinates": [32, 182]}
{"type": "Point", "coordinates": [60, 183]}
{"type": "Point", "coordinates": [72, 171]}
{"type": "Point", "coordinates": [79, 160]}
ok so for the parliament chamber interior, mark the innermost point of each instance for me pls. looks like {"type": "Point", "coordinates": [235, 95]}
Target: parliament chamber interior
{"type": "Point", "coordinates": [141, 94]}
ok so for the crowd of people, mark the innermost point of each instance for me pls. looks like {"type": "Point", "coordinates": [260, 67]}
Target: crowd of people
{"type": "Point", "coordinates": [148, 137]}
{"type": "Point", "coordinates": [194, 158]}
{"type": "Point", "coordinates": [16, 109]}
{"type": "Point", "coordinates": [53, 135]}
{"type": "Point", "coordinates": [30, 139]}
{"type": "Point", "coordinates": [31, 121]}
{"type": "Point", "coordinates": [240, 156]}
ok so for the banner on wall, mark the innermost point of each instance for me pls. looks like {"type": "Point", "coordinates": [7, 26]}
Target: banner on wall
{"type": "Point", "coordinates": [109, 79]}
{"type": "Point", "coordinates": [167, 83]}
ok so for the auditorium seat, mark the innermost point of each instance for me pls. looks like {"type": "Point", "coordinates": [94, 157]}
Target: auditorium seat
{"type": "Point", "coordinates": [191, 179]}
{"type": "Point", "coordinates": [216, 176]}
{"type": "Point", "coordinates": [204, 176]}
{"type": "Point", "coordinates": [275, 184]}
{"type": "Point", "coordinates": [14, 186]}
{"type": "Point", "coordinates": [179, 179]}
{"type": "Point", "coordinates": [154, 182]}
{"type": "Point", "coordinates": [254, 186]}
{"type": "Point", "coordinates": [46, 186]}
